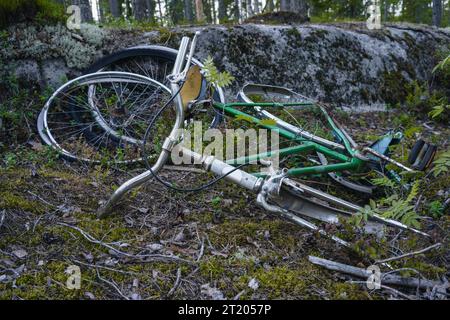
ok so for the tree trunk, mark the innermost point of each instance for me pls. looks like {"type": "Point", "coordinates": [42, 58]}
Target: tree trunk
{"type": "Point", "coordinates": [249, 9]}
{"type": "Point", "coordinates": [213, 8]}
{"type": "Point", "coordinates": [114, 8]}
{"type": "Point", "coordinates": [284, 5]}
{"type": "Point", "coordinates": [139, 9]}
{"type": "Point", "coordinates": [160, 12]}
{"type": "Point", "coordinates": [127, 8]}
{"type": "Point", "coordinates": [222, 11]}
{"type": "Point", "coordinates": [437, 13]}
{"type": "Point", "coordinates": [298, 6]}
{"type": "Point", "coordinates": [199, 10]}
{"type": "Point", "coordinates": [270, 6]}
{"type": "Point", "coordinates": [188, 10]}
{"type": "Point", "coordinates": [256, 7]}
{"type": "Point", "coordinates": [150, 4]}
{"type": "Point", "coordinates": [237, 14]}
{"type": "Point", "coordinates": [85, 8]}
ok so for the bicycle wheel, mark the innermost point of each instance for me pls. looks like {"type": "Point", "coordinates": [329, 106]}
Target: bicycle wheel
{"type": "Point", "coordinates": [101, 117]}
{"type": "Point", "coordinates": [155, 62]}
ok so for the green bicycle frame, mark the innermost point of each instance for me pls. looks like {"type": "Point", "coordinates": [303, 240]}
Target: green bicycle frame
{"type": "Point", "coordinates": [346, 158]}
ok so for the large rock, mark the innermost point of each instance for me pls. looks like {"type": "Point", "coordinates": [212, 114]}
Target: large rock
{"type": "Point", "coordinates": [342, 63]}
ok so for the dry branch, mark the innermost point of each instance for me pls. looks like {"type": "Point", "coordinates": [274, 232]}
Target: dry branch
{"type": "Point", "coordinates": [409, 254]}
{"type": "Point", "coordinates": [385, 277]}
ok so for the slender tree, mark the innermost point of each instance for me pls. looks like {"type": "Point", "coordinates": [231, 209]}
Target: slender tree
{"type": "Point", "coordinates": [256, 8]}
{"type": "Point", "coordinates": [85, 8]}
{"type": "Point", "coordinates": [115, 8]}
{"type": "Point", "coordinates": [222, 11]}
{"type": "Point", "coordinates": [270, 6]}
{"type": "Point", "coordinates": [188, 16]}
{"type": "Point", "coordinates": [200, 16]}
{"type": "Point", "coordinates": [237, 10]}
{"type": "Point", "coordinates": [285, 5]}
{"type": "Point", "coordinates": [437, 13]}
{"type": "Point", "coordinates": [213, 11]}
{"type": "Point", "coordinates": [249, 8]}
{"type": "Point", "coordinates": [139, 9]}
{"type": "Point", "coordinates": [161, 18]}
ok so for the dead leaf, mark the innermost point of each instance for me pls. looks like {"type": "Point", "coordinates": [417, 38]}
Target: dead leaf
{"type": "Point", "coordinates": [211, 292]}
{"type": "Point", "coordinates": [20, 253]}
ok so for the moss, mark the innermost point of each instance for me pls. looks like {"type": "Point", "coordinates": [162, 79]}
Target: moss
{"type": "Point", "coordinates": [13, 11]}
{"type": "Point", "coordinates": [13, 201]}
{"type": "Point", "coordinates": [239, 232]}
{"type": "Point", "coordinates": [394, 87]}
{"type": "Point", "coordinates": [213, 267]}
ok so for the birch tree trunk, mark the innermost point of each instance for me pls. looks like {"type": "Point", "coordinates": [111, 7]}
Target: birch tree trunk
{"type": "Point", "coordinates": [249, 8]}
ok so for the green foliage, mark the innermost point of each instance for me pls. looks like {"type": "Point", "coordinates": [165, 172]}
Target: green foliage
{"type": "Point", "coordinates": [384, 182]}
{"type": "Point", "coordinates": [213, 76]}
{"type": "Point", "coordinates": [13, 11]}
{"type": "Point", "coordinates": [392, 207]}
{"type": "Point", "coordinates": [441, 164]}
{"type": "Point", "coordinates": [441, 108]}
{"type": "Point", "coordinates": [436, 208]}
{"type": "Point", "coordinates": [442, 65]}
{"type": "Point", "coordinates": [438, 111]}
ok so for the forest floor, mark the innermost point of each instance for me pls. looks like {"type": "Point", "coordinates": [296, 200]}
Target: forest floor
{"type": "Point", "coordinates": [214, 244]}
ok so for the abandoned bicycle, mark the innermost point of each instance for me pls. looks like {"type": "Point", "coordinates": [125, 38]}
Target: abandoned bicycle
{"type": "Point", "coordinates": [111, 115]}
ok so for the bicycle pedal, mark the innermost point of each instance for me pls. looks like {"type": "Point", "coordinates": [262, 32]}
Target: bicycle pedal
{"type": "Point", "coordinates": [421, 155]}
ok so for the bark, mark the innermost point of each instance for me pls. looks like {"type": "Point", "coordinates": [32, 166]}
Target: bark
{"type": "Point", "coordinates": [437, 13]}
{"type": "Point", "coordinates": [256, 9]}
{"type": "Point", "coordinates": [237, 12]}
{"type": "Point", "coordinates": [85, 8]}
{"type": "Point", "coordinates": [222, 11]}
{"type": "Point", "coordinates": [249, 8]}
{"type": "Point", "coordinates": [199, 10]}
{"type": "Point", "coordinates": [115, 9]}
{"type": "Point", "coordinates": [299, 6]}
{"type": "Point", "coordinates": [139, 9]}
{"type": "Point", "coordinates": [188, 10]}
{"type": "Point", "coordinates": [270, 6]}
{"type": "Point", "coordinates": [284, 5]}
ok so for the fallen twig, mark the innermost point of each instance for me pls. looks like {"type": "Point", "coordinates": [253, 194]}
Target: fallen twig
{"type": "Point", "coordinates": [176, 284]}
{"type": "Point", "coordinates": [112, 285]}
{"type": "Point", "coordinates": [153, 257]}
{"type": "Point", "coordinates": [2, 217]}
{"type": "Point", "coordinates": [363, 273]}
{"type": "Point", "coordinates": [401, 294]}
{"type": "Point", "coordinates": [436, 245]}
{"type": "Point", "coordinates": [202, 250]}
